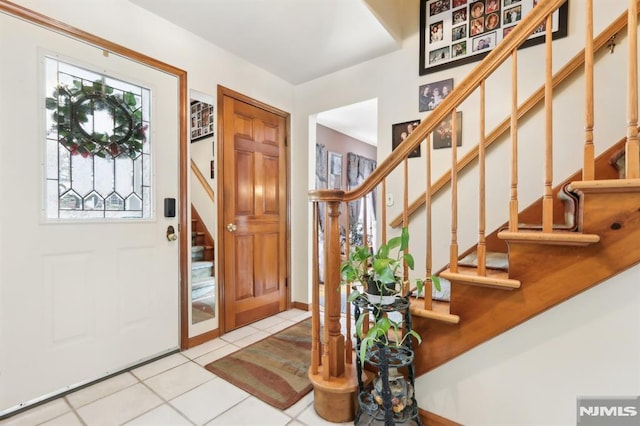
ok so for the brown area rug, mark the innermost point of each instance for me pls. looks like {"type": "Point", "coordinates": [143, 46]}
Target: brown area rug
{"type": "Point", "coordinates": [273, 369]}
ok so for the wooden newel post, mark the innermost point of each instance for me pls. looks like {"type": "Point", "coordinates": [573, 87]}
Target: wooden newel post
{"type": "Point", "coordinates": [335, 382]}
{"type": "Point", "coordinates": [334, 340]}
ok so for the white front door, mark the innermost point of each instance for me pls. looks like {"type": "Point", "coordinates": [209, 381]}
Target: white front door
{"type": "Point", "coordinates": [79, 299]}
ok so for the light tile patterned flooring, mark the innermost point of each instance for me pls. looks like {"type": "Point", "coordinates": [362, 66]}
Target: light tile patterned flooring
{"type": "Point", "coordinates": [178, 390]}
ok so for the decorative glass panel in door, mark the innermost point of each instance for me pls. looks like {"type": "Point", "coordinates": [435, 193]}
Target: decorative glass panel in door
{"type": "Point", "coordinates": [98, 148]}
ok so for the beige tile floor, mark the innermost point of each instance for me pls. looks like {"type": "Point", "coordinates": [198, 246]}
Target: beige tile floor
{"type": "Point", "coordinates": [177, 390]}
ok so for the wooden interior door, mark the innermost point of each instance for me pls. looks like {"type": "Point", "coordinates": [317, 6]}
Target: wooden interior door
{"type": "Point", "coordinates": [254, 210]}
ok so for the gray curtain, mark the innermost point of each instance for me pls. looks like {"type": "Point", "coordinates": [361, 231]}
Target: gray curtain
{"type": "Point", "coordinates": [321, 179]}
{"type": "Point", "coordinates": [365, 168]}
{"type": "Point", "coordinates": [358, 169]}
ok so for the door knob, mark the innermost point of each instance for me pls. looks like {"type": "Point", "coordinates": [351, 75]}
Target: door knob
{"type": "Point", "coordinates": [171, 234]}
{"type": "Point", "coordinates": [231, 227]}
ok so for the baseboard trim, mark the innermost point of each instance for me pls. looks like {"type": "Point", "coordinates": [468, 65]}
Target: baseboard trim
{"type": "Point", "coordinates": [10, 412]}
{"type": "Point", "coordinates": [202, 338]}
{"type": "Point", "coordinates": [302, 306]}
{"type": "Point", "coordinates": [430, 419]}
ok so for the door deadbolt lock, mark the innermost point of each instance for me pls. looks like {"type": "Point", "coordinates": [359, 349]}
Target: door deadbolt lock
{"type": "Point", "coordinates": [171, 234]}
{"type": "Point", "coordinates": [231, 227]}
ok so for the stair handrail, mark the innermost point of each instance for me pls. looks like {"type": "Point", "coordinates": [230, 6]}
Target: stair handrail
{"type": "Point", "coordinates": [203, 181]}
{"type": "Point", "coordinates": [632, 146]}
{"type": "Point", "coordinates": [469, 84]}
{"type": "Point", "coordinates": [559, 77]}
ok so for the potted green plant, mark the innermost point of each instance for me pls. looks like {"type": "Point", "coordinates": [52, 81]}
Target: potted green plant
{"type": "Point", "coordinates": [385, 333]}
{"type": "Point", "coordinates": [379, 272]}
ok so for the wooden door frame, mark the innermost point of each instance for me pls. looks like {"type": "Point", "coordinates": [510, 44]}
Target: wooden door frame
{"type": "Point", "coordinates": [222, 92]}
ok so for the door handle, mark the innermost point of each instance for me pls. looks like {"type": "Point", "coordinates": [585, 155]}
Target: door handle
{"type": "Point", "coordinates": [171, 234]}
{"type": "Point", "coordinates": [231, 227]}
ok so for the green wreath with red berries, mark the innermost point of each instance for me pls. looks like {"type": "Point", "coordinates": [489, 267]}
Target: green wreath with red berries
{"type": "Point", "coordinates": [73, 108]}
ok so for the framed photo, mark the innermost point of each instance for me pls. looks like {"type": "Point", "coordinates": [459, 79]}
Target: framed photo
{"type": "Point", "coordinates": [430, 95]}
{"type": "Point", "coordinates": [334, 171]}
{"type": "Point", "coordinates": [399, 133]}
{"type": "Point", "coordinates": [457, 32]}
{"type": "Point", "coordinates": [443, 134]}
{"type": "Point", "coordinates": [201, 120]}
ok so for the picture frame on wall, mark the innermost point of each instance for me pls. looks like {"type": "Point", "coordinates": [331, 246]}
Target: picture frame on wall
{"type": "Point", "coordinates": [430, 95]}
{"type": "Point", "coordinates": [457, 32]}
{"type": "Point", "coordinates": [334, 170]}
{"type": "Point", "coordinates": [201, 120]}
{"type": "Point", "coordinates": [400, 131]}
{"type": "Point", "coordinates": [442, 136]}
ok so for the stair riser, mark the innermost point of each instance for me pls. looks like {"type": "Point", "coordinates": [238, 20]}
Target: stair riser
{"type": "Point", "coordinates": [201, 272]}
{"type": "Point", "coordinates": [203, 292]}
{"type": "Point", "coordinates": [197, 253]}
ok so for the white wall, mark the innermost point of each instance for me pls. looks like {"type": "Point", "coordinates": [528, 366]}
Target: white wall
{"type": "Point", "coordinates": [207, 65]}
{"type": "Point", "coordinates": [532, 374]}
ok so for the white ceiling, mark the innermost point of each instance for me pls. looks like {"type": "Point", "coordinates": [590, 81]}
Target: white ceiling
{"type": "Point", "coordinates": [298, 40]}
{"type": "Point", "coordinates": [360, 120]}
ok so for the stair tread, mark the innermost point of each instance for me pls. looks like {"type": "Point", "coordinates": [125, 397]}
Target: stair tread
{"type": "Point", "coordinates": [494, 278]}
{"type": "Point", "coordinates": [605, 185]}
{"type": "Point", "coordinates": [555, 237]}
{"type": "Point", "coordinates": [538, 226]}
{"type": "Point", "coordinates": [202, 281]}
{"type": "Point", "coordinates": [439, 311]}
{"type": "Point", "coordinates": [201, 264]}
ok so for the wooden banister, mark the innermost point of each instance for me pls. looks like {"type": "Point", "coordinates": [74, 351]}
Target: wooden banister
{"type": "Point", "coordinates": [632, 149]}
{"type": "Point", "coordinates": [513, 127]}
{"type": "Point", "coordinates": [572, 66]}
{"type": "Point", "coordinates": [453, 247]}
{"type": "Point", "coordinates": [547, 201]}
{"type": "Point", "coordinates": [482, 246]}
{"type": "Point", "coordinates": [203, 181]}
{"type": "Point", "coordinates": [315, 298]}
{"type": "Point", "coordinates": [588, 168]}
{"type": "Point", "coordinates": [428, 289]}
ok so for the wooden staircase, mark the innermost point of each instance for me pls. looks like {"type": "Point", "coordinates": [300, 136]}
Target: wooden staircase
{"type": "Point", "coordinates": [538, 258]}
{"type": "Point", "coordinates": [607, 212]}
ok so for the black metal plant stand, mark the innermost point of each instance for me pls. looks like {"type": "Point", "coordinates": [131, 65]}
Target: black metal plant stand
{"type": "Point", "coordinates": [384, 358]}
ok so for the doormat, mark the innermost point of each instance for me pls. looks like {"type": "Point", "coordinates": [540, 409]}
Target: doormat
{"type": "Point", "coordinates": [273, 369]}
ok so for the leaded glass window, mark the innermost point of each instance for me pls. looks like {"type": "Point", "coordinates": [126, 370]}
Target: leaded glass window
{"type": "Point", "coordinates": [98, 151]}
